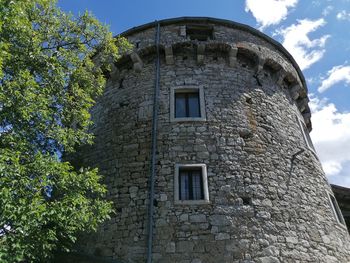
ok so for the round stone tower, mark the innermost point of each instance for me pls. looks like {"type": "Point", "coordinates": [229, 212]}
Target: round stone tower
{"type": "Point", "coordinates": [202, 135]}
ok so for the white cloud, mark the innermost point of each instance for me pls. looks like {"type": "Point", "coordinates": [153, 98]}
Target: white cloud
{"type": "Point", "coordinates": [269, 12]}
{"type": "Point", "coordinates": [335, 75]}
{"type": "Point", "coordinates": [331, 168]}
{"type": "Point", "coordinates": [318, 3]}
{"type": "Point", "coordinates": [331, 137]}
{"type": "Point", "coordinates": [311, 80]}
{"type": "Point", "coordinates": [296, 40]}
{"type": "Point", "coordinates": [326, 11]}
{"type": "Point", "coordinates": [343, 15]}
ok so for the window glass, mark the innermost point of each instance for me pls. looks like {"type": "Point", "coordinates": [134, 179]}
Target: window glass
{"type": "Point", "coordinates": [187, 105]}
{"type": "Point", "coordinates": [180, 105]}
{"type": "Point", "coordinates": [184, 186]}
{"type": "Point", "coordinates": [191, 184]}
{"type": "Point", "coordinates": [193, 105]}
{"type": "Point", "coordinates": [197, 185]}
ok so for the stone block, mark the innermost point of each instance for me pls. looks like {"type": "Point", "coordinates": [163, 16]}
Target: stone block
{"type": "Point", "coordinates": [170, 248]}
{"type": "Point", "coordinates": [198, 218]}
{"type": "Point", "coordinates": [184, 217]}
{"type": "Point", "coordinates": [219, 220]}
{"type": "Point", "coordinates": [222, 236]}
{"type": "Point", "coordinates": [268, 260]}
{"type": "Point", "coordinates": [293, 240]}
{"type": "Point", "coordinates": [184, 246]}
{"type": "Point", "coordinates": [163, 197]}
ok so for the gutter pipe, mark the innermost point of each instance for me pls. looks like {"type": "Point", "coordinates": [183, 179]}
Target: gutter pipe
{"type": "Point", "coordinates": [154, 149]}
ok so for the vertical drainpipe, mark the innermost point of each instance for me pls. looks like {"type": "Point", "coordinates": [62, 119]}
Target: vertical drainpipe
{"type": "Point", "coordinates": [154, 149]}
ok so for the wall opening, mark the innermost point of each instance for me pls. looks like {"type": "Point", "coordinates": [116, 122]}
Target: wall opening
{"type": "Point", "coordinates": [200, 32]}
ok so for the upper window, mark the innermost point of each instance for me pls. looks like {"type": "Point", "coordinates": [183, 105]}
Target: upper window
{"type": "Point", "coordinates": [187, 104]}
{"type": "Point", "coordinates": [191, 184]}
{"type": "Point", "coordinates": [336, 210]}
{"type": "Point", "coordinates": [199, 32]}
{"type": "Point", "coordinates": [306, 135]}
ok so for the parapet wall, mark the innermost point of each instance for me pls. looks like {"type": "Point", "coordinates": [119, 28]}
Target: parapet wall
{"type": "Point", "coordinates": [229, 38]}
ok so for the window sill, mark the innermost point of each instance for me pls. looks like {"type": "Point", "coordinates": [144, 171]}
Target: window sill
{"type": "Point", "coordinates": [192, 202]}
{"type": "Point", "coordinates": [187, 119]}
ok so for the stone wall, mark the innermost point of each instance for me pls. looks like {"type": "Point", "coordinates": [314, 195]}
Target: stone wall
{"type": "Point", "coordinates": [266, 203]}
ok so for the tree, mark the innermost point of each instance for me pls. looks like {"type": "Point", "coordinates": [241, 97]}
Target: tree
{"type": "Point", "coordinates": [48, 83]}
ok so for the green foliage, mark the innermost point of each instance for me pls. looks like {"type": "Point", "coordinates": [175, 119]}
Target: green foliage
{"type": "Point", "coordinates": [50, 77]}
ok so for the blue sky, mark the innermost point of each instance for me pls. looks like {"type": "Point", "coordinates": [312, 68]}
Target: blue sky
{"type": "Point", "coordinates": [315, 32]}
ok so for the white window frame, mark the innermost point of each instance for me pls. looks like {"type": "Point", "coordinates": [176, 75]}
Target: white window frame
{"type": "Point", "coordinates": [335, 209]}
{"type": "Point", "coordinates": [204, 180]}
{"type": "Point", "coordinates": [301, 127]}
{"type": "Point", "coordinates": [185, 89]}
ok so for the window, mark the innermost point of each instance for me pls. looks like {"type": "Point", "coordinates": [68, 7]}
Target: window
{"type": "Point", "coordinates": [306, 135]}
{"type": "Point", "coordinates": [199, 32]}
{"type": "Point", "coordinates": [187, 104]}
{"type": "Point", "coordinates": [191, 184]}
{"type": "Point", "coordinates": [336, 210]}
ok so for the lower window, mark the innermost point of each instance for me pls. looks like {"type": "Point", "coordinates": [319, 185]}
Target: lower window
{"type": "Point", "coordinates": [191, 184]}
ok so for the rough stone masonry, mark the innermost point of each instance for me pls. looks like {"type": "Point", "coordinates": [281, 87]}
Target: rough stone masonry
{"type": "Point", "coordinates": [264, 197]}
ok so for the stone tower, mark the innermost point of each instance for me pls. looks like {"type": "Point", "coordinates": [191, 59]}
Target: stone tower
{"type": "Point", "coordinates": [202, 135]}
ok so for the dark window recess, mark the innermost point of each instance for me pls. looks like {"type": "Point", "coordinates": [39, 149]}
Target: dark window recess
{"type": "Point", "coordinates": [121, 83]}
{"type": "Point", "coordinates": [199, 32]}
{"type": "Point", "coordinates": [187, 104]}
{"type": "Point", "coordinates": [336, 210]}
{"type": "Point", "coordinates": [246, 200]}
{"type": "Point", "coordinates": [155, 202]}
{"type": "Point", "coordinates": [190, 184]}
